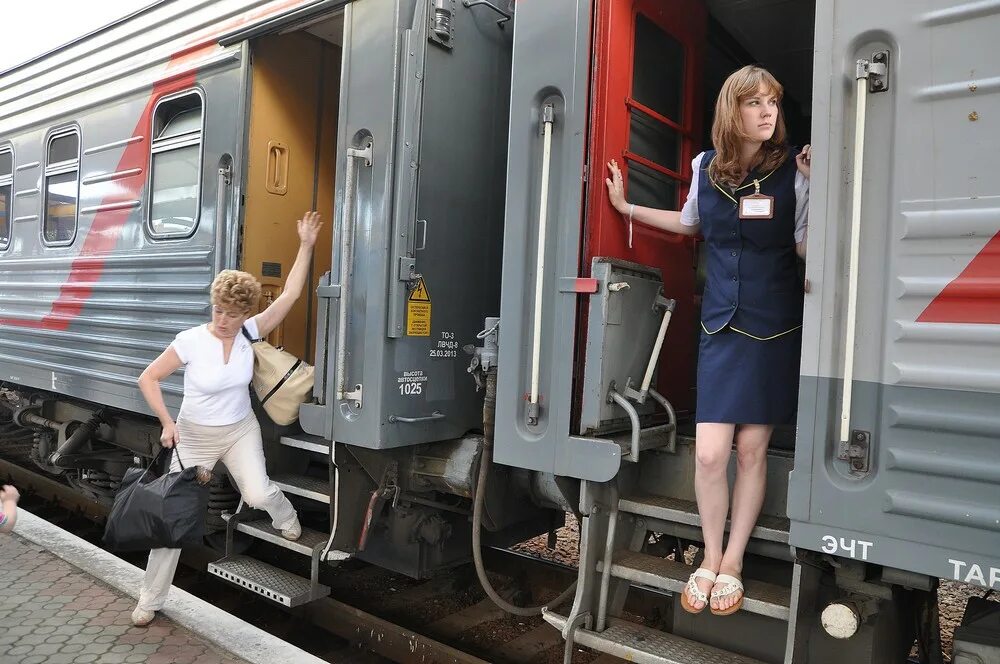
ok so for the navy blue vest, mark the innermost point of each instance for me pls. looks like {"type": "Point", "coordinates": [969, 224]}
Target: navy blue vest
{"type": "Point", "coordinates": [752, 283]}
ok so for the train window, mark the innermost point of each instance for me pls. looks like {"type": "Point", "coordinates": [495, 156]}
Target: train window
{"type": "Point", "coordinates": [62, 188]}
{"type": "Point", "coordinates": [656, 119]}
{"type": "Point", "coordinates": [658, 74]}
{"type": "Point", "coordinates": [6, 191]}
{"type": "Point", "coordinates": [175, 166]}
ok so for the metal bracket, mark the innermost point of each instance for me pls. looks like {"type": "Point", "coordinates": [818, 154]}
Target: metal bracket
{"type": "Point", "coordinates": [362, 153]}
{"type": "Point", "coordinates": [357, 395]}
{"type": "Point", "coordinates": [328, 292]}
{"type": "Point", "coordinates": [857, 451]}
{"type": "Point", "coordinates": [876, 71]}
{"type": "Point", "coordinates": [442, 23]}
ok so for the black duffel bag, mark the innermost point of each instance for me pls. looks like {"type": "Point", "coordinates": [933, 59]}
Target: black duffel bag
{"type": "Point", "coordinates": [157, 509]}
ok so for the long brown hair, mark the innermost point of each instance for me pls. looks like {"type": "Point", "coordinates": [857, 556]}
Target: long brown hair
{"type": "Point", "coordinates": [727, 129]}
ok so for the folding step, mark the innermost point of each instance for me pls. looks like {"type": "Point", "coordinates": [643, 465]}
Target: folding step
{"type": "Point", "coordinates": [650, 438]}
{"type": "Point", "coordinates": [261, 529]}
{"type": "Point", "coordinates": [303, 485]}
{"type": "Point", "coordinates": [766, 599]}
{"type": "Point", "coordinates": [643, 645]}
{"type": "Point", "coordinates": [266, 580]}
{"type": "Point", "coordinates": [305, 441]}
{"type": "Point", "coordinates": [675, 510]}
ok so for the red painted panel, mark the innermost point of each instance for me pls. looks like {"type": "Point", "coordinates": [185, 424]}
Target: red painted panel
{"type": "Point", "coordinates": [974, 295]}
{"type": "Point", "coordinates": [605, 233]}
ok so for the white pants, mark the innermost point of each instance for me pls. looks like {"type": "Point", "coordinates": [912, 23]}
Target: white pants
{"type": "Point", "coordinates": [240, 448]}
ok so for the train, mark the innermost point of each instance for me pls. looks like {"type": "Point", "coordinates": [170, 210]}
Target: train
{"type": "Point", "coordinates": [492, 353]}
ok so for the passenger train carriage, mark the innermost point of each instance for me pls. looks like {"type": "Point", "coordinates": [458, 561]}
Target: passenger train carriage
{"type": "Point", "coordinates": [458, 148]}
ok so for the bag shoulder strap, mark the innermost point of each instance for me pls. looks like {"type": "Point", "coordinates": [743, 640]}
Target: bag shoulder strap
{"type": "Point", "coordinates": [246, 333]}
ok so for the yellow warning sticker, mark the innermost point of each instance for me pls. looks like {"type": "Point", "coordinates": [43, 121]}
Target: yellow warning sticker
{"type": "Point", "coordinates": [418, 311]}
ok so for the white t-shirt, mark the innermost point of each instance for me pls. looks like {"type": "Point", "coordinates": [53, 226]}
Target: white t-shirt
{"type": "Point", "coordinates": [690, 217]}
{"type": "Point", "coordinates": [215, 393]}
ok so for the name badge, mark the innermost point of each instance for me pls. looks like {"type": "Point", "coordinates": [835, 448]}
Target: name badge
{"type": "Point", "coordinates": [757, 205]}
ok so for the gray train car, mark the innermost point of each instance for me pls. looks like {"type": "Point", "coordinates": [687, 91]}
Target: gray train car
{"type": "Point", "coordinates": [458, 149]}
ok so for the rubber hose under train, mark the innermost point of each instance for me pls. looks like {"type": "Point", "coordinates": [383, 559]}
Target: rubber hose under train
{"type": "Point", "coordinates": [489, 426]}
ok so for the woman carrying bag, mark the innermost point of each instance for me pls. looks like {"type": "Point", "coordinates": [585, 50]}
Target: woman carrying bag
{"type": "Point", "coordinates": [216, 421]}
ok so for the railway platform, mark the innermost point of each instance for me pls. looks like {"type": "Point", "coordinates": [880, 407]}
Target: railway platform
{"type": "Point", "coordinates": [64, 600]}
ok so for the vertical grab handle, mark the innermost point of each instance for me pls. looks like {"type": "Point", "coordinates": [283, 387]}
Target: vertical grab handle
{"type": "Point", "coordinates": [548, 119]}
{"type": "Point", "coordinates": [875, 70]}
{"type": "Point", "coordinates": [347, 227]}
{"type": "Point", "coordinates": [222, 248]}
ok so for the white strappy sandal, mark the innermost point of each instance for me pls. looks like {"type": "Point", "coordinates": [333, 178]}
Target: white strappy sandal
{"type": "Point", "coordinates": [733, 585]}
{"type": "Point", "coordinates": [696, 592]}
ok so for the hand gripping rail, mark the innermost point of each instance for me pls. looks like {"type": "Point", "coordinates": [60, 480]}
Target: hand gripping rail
{"type": "Point", "coordinates": [347, 228]}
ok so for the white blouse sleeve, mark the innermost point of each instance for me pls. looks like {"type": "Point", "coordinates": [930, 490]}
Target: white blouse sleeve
{"type": "Point", "coordinates": [182, 345]}
{"type": "Point", "coordinates": [801, 206]}
{"type": "Point", "coordinates": [689, 213]}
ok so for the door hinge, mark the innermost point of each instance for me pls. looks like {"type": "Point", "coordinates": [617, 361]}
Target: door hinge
{"type": "Point", "coordinates": [857, 451]}
{"type": "Point", "coordinates": [876, 71]}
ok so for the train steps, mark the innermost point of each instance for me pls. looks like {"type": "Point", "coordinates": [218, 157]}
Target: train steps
{"type": "Point", "coordinates": [766, 599]}
{"type": "Point", "coordinates": [266, 580]}
{"type": "Point", "coordinates": [662, 512]}
{"type": "Point", "coordinates": [643, 645]}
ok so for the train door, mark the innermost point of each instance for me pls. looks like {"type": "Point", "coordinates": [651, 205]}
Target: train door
{"type": "Point", "coordinates": [896, 459]}
{"type": "Point", "coordinates": [646, 114]}
{"type": "Point", "coordinates": [295, 90]}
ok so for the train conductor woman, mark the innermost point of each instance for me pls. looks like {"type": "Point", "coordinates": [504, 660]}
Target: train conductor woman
{"type": "Point", "coordinates": [748, 199]}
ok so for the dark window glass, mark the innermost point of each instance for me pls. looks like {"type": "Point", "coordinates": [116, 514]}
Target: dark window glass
{"type": "Point", "coordinates": [5, 206]}
{"type": "Point", "coordinates": [6, 190]}
{"type": "Point", "coordinates": [175, 191]}
{"type": "Point", "coordinates": [60, 207]}
{"type": "Point", "coordinates": [658, 70]}
{"type": "Point", "coordinates": [650, 188]}
{"type": "Point", "coordinates": [64, 148]}
{"type": "Point", "coordinates": [175, 168]}
{"type": "Point", "coordinates": [654, 140]}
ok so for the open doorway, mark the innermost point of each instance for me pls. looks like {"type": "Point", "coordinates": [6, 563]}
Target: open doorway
{"type": "Point", "coordinates": [291, 161]}
{"type": "Point", "coordinates": [661, 65]}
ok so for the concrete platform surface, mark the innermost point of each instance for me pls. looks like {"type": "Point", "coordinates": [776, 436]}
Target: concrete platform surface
{"type": "Point", "coordinates": [66, 601]}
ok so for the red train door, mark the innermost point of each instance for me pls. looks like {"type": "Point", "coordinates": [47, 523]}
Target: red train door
{"type": "Point", "coordinates": [646, 113]}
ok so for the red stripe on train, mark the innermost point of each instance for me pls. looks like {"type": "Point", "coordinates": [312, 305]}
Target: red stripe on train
{"type": "Point", "coordinates": [974, 295]}
{"type": "Point", "coordinates": [106, 228]}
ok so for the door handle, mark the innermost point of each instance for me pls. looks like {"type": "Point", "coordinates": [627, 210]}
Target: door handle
{"type": "Point", "coordinates": [436, 415]}
{"type": "Point", "coordinates": [347, 227]}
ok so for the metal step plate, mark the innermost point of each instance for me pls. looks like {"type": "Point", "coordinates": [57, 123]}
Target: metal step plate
{"type": "Point", "coordinates": [302, 485]}
{"type": "Point", "coordinates": [650, 438]}
{"type": "Point", "coordinates": [766, 599]}
{"type": "Point", "coordinates": [305, 441]}
{"type": "Point", "coordinates": [676, 510]}
{"type": "Point", "coordinates": [261, 529]}
{"type": "Point", "coordinates": [635, 643]}
{"type": "Point", "coordinates": [266, 580]}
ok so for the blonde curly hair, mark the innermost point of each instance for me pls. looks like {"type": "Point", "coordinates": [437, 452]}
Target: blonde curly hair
{"type": "Point", "coordinates": [236, 291]}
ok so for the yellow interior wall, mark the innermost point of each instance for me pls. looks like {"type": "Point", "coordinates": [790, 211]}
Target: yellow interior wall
{"type": "Point", "coordinates": [285, 100]}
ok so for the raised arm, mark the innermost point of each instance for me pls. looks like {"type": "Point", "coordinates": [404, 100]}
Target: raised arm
{"type": "Point", "coordinates": [270, 318]}
{"type": "Point", "coordinates": [667, 220]}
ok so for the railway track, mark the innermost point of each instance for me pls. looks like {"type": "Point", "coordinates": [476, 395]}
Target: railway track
{"type": "Point", "coordinates": [372, 615]}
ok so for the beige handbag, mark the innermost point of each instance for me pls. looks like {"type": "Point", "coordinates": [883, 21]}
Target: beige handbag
{"type": "Point", "coordinates": [281, 381]}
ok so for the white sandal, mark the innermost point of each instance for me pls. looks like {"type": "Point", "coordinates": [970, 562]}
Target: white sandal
{"type": "Point", "coordinates": [696, 592]}
{"type": "Point", "coordinates": [733, 585]}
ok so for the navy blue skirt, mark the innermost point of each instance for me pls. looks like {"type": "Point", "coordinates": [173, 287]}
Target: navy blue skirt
{"type": "Point", "coordinates": [745, 381]}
